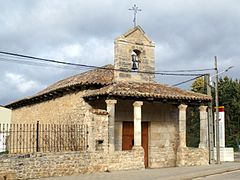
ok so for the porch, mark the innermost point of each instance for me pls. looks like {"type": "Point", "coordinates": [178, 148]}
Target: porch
{"type": "Point", "coordinates": [159, 128]}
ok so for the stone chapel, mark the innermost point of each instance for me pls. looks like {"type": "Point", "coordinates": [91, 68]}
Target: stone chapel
{"type": "Point", "coordinates": [124, 107]}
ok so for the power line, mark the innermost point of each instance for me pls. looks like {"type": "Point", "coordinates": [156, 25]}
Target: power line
{"type": "Point", "coordinates": [183, 82]}
{"type": "Point", "coordinates": [84, 65]}
{"type": "Point", "coordinates": [190, 70]}
{"type": "Point", "coordinates": [20, 61]}
{"type": "Point", "coordinates": [92, 66]}
{"type": "Point", "coordinates": [230, 67]}
{"type": "Point", "coordinates": [46, 60]}
{"type": "Point", "coordinates": [40, 64]}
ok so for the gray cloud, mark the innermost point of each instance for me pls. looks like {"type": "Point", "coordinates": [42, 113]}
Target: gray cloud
{"type": "Point", "coordinates": [188, 34]}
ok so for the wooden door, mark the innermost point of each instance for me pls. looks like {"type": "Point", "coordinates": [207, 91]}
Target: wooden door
{"type": "Point", "coordinates": [128, 138]}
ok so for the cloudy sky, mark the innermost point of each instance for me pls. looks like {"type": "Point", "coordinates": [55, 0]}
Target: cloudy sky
{"type": "Point", "coordinates": [188, 34]}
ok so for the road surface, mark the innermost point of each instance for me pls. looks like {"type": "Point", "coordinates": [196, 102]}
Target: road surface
{"type": "Point", "coordinates": [234, 175]}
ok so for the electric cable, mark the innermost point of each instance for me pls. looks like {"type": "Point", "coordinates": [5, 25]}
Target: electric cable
{"type": "Point", "coordinates": [183, 82]}
{"type": "Point", "coordinates": [92, 66]}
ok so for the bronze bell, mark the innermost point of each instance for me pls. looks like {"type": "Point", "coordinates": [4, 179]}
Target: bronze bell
{"type": "Point", "coordinates": [134, 61]}
{"type": "Point", "coordinates": [134, 65]}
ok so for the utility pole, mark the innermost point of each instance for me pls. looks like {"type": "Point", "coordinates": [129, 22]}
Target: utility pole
{"type": "Point", "coordinates": [217, 113]}
{"type": "Point", "coordinates": [210, 120]}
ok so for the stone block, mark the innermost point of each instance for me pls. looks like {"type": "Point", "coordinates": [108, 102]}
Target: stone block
{"type": "Point", "coordinates": [68, 163]}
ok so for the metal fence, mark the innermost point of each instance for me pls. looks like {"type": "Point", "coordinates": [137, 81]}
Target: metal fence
{"type": "Point", "coordinates": [29, 138]}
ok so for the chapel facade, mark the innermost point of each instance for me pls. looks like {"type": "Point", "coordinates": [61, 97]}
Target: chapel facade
{"type": "Point", "coordinates": [124, 107]}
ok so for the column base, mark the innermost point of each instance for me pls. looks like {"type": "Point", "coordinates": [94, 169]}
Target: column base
{"type": "Point", "coordinates": [137, 147]}
{"type": "Point", "coordinates": [226, 154]}
{"type": "Point", "coordinates": [111, 148]}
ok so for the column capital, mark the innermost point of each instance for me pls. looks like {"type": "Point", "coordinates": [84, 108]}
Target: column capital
{"type": "Point", "coordinates": [203, 108]}
{"type": "Point", "coordinates": [111, 101]}
{"type": "Point", "coordinates": [137, 103]}
{"type": "Point", "coordinates": [182, 107]}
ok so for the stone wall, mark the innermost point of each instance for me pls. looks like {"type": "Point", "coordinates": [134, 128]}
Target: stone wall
{"type": "Point", "coordinates": [192, 156]}
{"type": "Point", "coordinates": [69, 109]}
{"type": "Point", "coordinates": [98, 131]}
{"type": "Point", "coordinates": [163, 137]}
{"type": "Point", "coordinates": [134, 40]}
{"type": "Point", "coordinates": [162, 147]}
{"type": "Point", "coordinates": [163, 130]}
{"type": "Point", "coordinates": [69, 163]}
{"type": "Point", "coordinates": [66, 109]}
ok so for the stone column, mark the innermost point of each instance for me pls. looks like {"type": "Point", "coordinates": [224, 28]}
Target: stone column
{"type": "Point", "coordinates": [203, 127]}
{"type": "Point", "coordinates": [137, 123]}
{"type": "Point", "coordinates": [182, 125]}
{"type": "Point", "coordinates": [118, 135]}
{"type": "Point", "coordinates": [111, 120]}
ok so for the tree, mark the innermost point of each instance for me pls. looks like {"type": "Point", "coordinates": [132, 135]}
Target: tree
{"type": "Point", "coordinates": [198, 85]}
{"type": "Point", "coordinates": [229, 97]}
{"type": "Point", "coordinates": [193, 118]}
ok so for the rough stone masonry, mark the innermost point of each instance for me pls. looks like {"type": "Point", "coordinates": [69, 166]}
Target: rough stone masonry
{"type": "Point", "coordinates": [41, 165]}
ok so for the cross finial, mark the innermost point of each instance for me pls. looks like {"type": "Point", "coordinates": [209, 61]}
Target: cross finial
{"type": "Point", "coordinates": [135, 9]}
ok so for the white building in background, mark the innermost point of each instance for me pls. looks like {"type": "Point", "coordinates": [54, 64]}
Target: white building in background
{"type": "Point", "coordinates": [226, 153]}
{"type": "Point", "coordinates": [5, 118]}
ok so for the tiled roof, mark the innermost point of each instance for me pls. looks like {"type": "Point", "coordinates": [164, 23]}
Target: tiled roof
{"type": "Point", "coordinates": [148, 90]}
{"type": "Point", "coordinates": [103, 77]}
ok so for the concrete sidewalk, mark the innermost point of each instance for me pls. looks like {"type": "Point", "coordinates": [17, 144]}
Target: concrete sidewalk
{"type": "Point", "coordinates": [155, 174]}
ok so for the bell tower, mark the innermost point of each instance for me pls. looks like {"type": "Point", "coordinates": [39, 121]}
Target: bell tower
{"type": "Point", "coordinates": [134, 55]}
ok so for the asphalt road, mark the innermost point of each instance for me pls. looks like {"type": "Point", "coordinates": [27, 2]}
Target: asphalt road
{"type": "Point", "coordinates": [234, 175]}
{"type": "Point", "coordinates": [175, 173]}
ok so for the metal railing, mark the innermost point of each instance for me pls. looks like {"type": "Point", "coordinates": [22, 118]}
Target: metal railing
{"type": "Point", "coordinates": [30, 138]}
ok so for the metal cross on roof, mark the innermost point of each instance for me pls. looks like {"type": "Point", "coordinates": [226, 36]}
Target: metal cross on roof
{"type": "Point", "coordinates": [135, 9]}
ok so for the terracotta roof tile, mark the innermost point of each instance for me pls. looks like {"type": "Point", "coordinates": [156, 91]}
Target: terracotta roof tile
{"type": "Point", "coordinates": [104, 78]}
{"type": "Point", "coordinates": [101, 76]}
{"type": "Point", "coordinates": [96, 76]}
{"type": "Point", "coordinates": [153, 90]}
